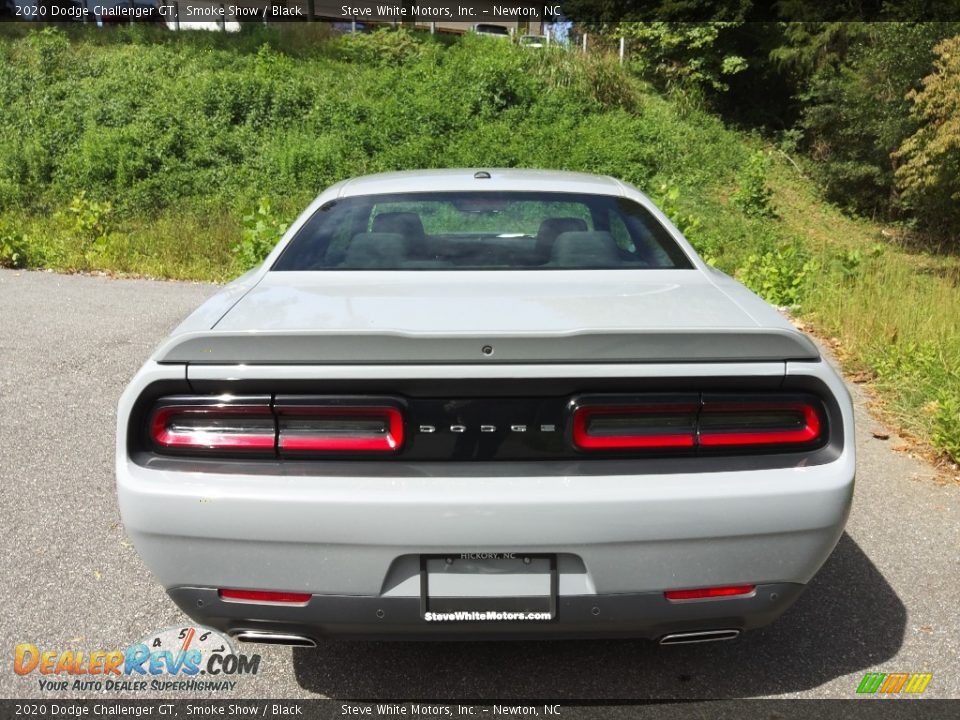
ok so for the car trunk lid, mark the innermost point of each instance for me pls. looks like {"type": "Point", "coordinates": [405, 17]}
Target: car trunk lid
{"type": "Point", "coordinates": [489, 317]}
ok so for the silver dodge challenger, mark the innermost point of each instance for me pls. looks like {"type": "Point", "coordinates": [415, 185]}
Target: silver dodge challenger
{"type": "Point", "coordinates": [484, 404]}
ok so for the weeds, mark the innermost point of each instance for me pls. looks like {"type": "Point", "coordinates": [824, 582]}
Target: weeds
{"type": "Point", "coordinates": [781, 276]}
{"type": "Point", "coordinates": [754, 196]}
{"type": "Point", "coordinates": [946, 423]}
{"type": "Point", "coordinates": [261, 231]}
{"type": "Point", "coordinates": [13, 248]}
{"type": "Point", "coordinates": [88, 224]}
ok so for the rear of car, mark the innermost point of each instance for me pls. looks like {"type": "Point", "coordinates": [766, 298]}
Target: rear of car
{"type": "Point", "coordinates": [534, 41]}
{"type": "Point", "coordinates": [500, 32]}
{"type": "Point", "coordinates": [475, 405]}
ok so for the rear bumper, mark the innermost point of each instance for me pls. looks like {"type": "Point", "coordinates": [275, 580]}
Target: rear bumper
{"type": "Point", "coordinates": [354, 544]}
{"type": "Point", "coordinates": [634, 615]}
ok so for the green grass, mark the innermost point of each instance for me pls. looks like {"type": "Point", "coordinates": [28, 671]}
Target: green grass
{"type": "Point", "coordinates": [180, 155]}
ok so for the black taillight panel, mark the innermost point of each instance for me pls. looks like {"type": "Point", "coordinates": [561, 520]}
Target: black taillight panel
{"type": "Point", "coordinates": [800, 426]}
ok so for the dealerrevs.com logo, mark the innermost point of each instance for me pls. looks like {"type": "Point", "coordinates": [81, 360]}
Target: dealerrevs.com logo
{"type": "Point", "coordinates": [191, 659]}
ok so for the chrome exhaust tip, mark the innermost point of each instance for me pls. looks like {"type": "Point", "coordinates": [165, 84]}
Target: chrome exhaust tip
{"type": "Point", "coordinates": [272, 638]}
{"type": "Point", "coordinates": [701, 636]}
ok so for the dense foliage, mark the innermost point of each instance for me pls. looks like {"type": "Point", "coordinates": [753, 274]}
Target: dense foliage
{"type": "Point", "coordinates": [217, 128]}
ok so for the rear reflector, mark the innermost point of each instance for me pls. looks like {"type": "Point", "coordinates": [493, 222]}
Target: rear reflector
{"type": "Point", "coordinates": [339, 428]}
{"type": "Point", "coordinates": [671, 423]}
{"type": "Point", "coordinates": [263, 596]}
{"type": "Point", "coordinates": [711, 592]}
{"type": "Point", "coordinates": [224, 423]}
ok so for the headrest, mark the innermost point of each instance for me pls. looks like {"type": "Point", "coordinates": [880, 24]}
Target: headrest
{"type": "Point", "coordinates": [376, 250]}
{"type": "Point", "coordinates": [584, 250]}
{"type": "Point", "coordinates": [403, 223]}
{"type": "Point", "coordinates": [553, 227]}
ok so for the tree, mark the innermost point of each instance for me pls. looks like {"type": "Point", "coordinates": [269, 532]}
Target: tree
{"type": "Point", "coordinates": [929, 177]}
{"type": "Point", "coordinates": [689, 54]}
{"type": "Point", "coordinates": [857, 112]}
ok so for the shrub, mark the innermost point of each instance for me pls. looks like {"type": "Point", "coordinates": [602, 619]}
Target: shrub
{"type": "Point", "coordinates": [899, 360]}
{"type": "Point", "coordinates": [383, 47]}
{"type": "Point", "coordinates": [262, 229]}
{"type": "Point", "coordinates": [690, 55]}
{"type": "Point", "coordinates": [668, 200]}
{"type": "Point", "coordinates": [780, 276]}
{"type": "Point", "coordinates": [13, 248]}
{"type": "Point", "coordinates": [88, 224]}
{"type": "Point", "coordinates": [849, 265]}
{"type": "Point", "coordinates": [597, 76]}
{"type": "Point", "coordinates": [754, 196]}
{"type": "Point", "coordinates": [47, 49]}
{"type": "Point", "coordinates": [946, 424]}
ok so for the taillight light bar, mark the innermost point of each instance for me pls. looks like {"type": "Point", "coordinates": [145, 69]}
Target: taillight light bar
{"type": "Point", "coordinates": [669, 423]}
{"type": "Point", "coordinates": [286, 425]}
{"type": "Point", "coordinates": [709, 422]}
{"type": "Point", "coordinates": [224, 423]}
{"type": "Point", "coordinates": [724, 424]}
{"type": "Point", "coordinates": [308, 427]}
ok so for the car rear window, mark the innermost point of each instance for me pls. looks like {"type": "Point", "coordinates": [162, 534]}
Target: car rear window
{"type": "Point", "coordinates": [482, 231]}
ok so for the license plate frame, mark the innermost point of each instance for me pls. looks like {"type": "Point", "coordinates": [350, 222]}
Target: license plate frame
{"type": "Point", "coordinates": [496, 604]}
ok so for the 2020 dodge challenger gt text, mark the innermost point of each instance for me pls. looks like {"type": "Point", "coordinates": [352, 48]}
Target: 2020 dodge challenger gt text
{"type": "Point", "coordinates": [494, 403]}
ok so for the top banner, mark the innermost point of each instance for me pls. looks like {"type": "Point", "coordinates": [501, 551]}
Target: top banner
{"type": "Point", "coordinates": [469, 14]}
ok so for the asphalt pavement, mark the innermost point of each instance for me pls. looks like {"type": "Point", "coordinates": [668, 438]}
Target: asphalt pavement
{"type": "Point", "coordinates": [886, 601]}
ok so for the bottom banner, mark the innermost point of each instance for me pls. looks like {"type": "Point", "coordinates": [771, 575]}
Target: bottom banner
{"type": "Point", "coordinates": [587, 710]}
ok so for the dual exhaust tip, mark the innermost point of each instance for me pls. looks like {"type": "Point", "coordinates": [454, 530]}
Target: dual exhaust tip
{"type": "Point", "coordinates": [700, 636]}
{"type": "Point", "coordinates": [272, 638]}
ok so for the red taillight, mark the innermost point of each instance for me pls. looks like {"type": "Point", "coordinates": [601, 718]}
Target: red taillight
{"type": "Point", "coordinates": [338, 428]}
{"type": "Point", "coordinates": [724, 424]}
{"type": "Point", "coordinates": [264, 596]}
{"type": "Point", "coordinates": [711, 592]}
{"type": "Point", "coordinates": [708, 421]}
{"type": "Point", "coordinates": [610, 426]}
{"type": "Point", "coordinates": [290, 424]}
{"type": "Point", "coordinates": [220, 424]}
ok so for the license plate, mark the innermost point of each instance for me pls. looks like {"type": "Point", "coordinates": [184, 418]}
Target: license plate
{"type": "Point", "coordinates": [488, 587]}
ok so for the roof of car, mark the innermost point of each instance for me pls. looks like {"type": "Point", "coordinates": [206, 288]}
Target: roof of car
{"type": "Point", "coordinates": [503, 179]}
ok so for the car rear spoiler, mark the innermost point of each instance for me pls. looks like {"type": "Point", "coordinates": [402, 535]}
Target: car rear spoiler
{"type": "Point", "coordinates": [386, 348]}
